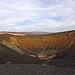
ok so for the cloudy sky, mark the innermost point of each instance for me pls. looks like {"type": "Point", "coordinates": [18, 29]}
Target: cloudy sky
{"type": "Point", "coordinates": [32, 15]}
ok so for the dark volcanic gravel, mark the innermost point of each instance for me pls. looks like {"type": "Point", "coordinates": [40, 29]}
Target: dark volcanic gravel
{"type": "Point", "coordinates": [27, 69]}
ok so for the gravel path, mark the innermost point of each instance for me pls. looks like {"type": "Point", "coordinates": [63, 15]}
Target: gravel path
{"type": "Point", "coordinates": [28, 69]}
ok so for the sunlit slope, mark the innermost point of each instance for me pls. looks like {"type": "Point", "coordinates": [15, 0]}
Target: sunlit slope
{"type": "Point", "coordinates": [44, 46]}
{"type": "Point", "coordinates": [47, 45]}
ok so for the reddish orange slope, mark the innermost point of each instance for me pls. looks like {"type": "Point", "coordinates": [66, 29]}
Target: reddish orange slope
{"type": "Point", "coordinates": [45, 46]}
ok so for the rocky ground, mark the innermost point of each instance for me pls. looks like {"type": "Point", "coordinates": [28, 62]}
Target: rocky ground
{"type": "Point", "coordinates": [27, 69]}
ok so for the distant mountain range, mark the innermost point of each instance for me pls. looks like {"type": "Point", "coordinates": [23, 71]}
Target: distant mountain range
{"type": "Point", "coordinates": [25, 33]}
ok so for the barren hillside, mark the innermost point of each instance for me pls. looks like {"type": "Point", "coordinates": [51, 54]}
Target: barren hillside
{"type": "Point", "coordinates": [44, 46]}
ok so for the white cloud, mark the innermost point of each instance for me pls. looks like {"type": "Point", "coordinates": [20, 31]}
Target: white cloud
{"type": "Point", "coordinates": [13, 14]}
